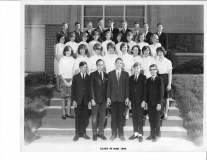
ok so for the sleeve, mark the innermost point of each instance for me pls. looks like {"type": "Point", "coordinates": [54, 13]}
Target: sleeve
{"type": "Point", "coordinates": [61, 67]}
{"type": "Point", "coordinates": [91, 88]}
{"type": "Point", "coordinates": [161, 91]}
{"type": "Point", "coordinates": [144, 89]}
{"type": "Point", "coordinates": [76, 65]}
{"type": "Point", "coordinates": [127, 85]}
{"type": "Point", "coordinates": [146, 93]}
{"type": "Point", "coordinates": [130, 85]}
{"type": "Point", "coordinates": [169, 65]}
{"type": "Point", "coordinates": [73, 98]}
{"type": "Point", "coordinates": [108, 95]}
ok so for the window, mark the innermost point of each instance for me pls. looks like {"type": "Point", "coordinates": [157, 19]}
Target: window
{"type": "Point", "coordinates": [186, 43]}
{"type": "Point", "coordinates": [91, 13]}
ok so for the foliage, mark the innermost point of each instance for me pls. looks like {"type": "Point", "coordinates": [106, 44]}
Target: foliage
{"type": "Point", "coordinates": [172, 57]}
{"type": "Point", "coordinates": [188, 92]}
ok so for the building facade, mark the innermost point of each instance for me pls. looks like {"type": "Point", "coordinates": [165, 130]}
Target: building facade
{"type": "Point", "coordinates": [184, 25]}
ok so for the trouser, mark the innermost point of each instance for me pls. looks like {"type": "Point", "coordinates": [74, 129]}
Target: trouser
{"type": "Point", "coordinates": [117, 118]}
{"type": "Point", "coordinates": [98, 118]}
{"type": "Point", "coordinates": [81, 118]}
{"type": "Point", "coordinates": [137, 117]}
{"type": "Point", "coordinates": [154, 119]}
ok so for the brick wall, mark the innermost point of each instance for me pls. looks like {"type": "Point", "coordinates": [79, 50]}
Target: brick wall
{"type": "Point", "coordinates": [50, 40]}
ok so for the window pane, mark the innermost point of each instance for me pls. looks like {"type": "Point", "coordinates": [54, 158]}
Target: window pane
{"type": "Point", "coordinates": [135, 11]}
{"type": "Point", "coordinates": [199, 39]}
{"type": "Point", "coordinates": [114, 10]}
{"type": "Point", "coordinates": [93, 10]}
{"type": "Point", "coordinates": [199, 48]}
{"type": "Point", "coordinates": [93, 20]}
{"type": "Point", "coordinates": [117, 21]}
{"type": "Point", "coordinates": [131, 20]}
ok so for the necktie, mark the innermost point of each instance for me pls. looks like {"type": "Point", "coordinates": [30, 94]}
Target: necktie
{"type": "Point", "coordinates": [153, 78]}
{"type": "Point", "coordinates": [83, 77]}
{"type": "Point", "coordinates": [100, 74]}
{"type": "Point", "coordinates": [118, 76]}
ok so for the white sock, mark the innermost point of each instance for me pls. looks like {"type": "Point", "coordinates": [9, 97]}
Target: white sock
{"type": "Point", "coordinates": [135, 133]}
{"type": "Point", "coordinates": [140, 135]}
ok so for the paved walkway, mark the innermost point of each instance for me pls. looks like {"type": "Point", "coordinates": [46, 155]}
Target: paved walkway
{"type": "Point", "coordinates": [64, 143]}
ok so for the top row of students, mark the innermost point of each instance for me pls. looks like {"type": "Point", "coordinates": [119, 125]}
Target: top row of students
{"type": "Point", "coordinates": [114, 31]}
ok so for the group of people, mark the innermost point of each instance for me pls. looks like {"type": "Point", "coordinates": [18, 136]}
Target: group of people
{"type": "Point", "coordinates": [121, 70]}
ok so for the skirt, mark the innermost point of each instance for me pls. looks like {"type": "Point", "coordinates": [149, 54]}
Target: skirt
{"type": "Point", "coordinates": [65, 91]}
{"type": "Point", "coordinates": [167, 94]}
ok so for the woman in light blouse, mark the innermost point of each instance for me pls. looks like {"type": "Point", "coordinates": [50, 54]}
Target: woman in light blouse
{"type": "Point", "coordinates": [66, 65]}
{"type": "Point", "coordinates": [155, 44]}
{"type": "Point", "coordinates": [164, 67]}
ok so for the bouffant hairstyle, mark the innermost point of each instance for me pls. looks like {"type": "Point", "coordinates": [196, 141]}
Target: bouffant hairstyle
{"type": "Point", "coordinates": [67, 49]}
{"type": "Point", "coordinates": [83, 46]}
{"type": "Point", "coordinates": [139, 50]}
{"type": "Point", "coordinates": [145, 48]}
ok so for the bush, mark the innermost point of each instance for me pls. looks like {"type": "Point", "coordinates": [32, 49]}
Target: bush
{"type": "Point", "coordinates": [172, 57]}
{"type": "Point", "coordinates": [194, 66]}
{"type": "Point", "coordinates": [39, 78]}
{"type": "Point", "coordinates": [188, 92]}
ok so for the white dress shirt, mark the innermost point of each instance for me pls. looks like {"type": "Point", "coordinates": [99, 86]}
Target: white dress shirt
{"type": "Point", "coordinates": [164, 66]}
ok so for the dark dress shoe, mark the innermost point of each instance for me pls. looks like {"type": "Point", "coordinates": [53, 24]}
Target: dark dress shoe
{"type": "Point", "coordinates": [86, 137]}
{"type": "Point", "coordinates": [122, 138]}
{"type": "Point", "coordinates": [94, 138]}
{"type": "Point", "coordinates": [102, 137]}
{"type": "Point", "coordinates": [149, 138]}
{"type": "Point", "coordinates": [76, 138]}
{"type": "Point", "coordinates": [64, 117]}
{"type": "Point", "coordinates": [112, 137]}
{"type": "Point", "coordinates": [133, 137]}
{"type": "Point", "coordinates": [155, 139]}
{"type": "Point", "coordinates": [37, 137]}
{"type": "Point", "coordinates": [140, 139]}
{"type": "Point", "coordinates": [70, 116]}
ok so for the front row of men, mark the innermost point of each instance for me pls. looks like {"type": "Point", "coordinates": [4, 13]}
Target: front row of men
{"type": "Point", "coordinates": [118, 91]}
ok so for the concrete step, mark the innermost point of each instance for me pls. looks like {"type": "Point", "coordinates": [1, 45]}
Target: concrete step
{"type": "Point", "coordinates": [58, 122]}
{"type": "Point", "coordinates": [57, 102]}
{"type": "Point", "coordinates": [128, 131]}
{"type": "Point", "coordinates": [55, 111]}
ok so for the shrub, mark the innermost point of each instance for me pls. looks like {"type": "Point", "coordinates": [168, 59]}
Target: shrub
{"type": "Point", "coordinates": [39, 78]}
{"type": "Point", "coordinates": [194, 66]}
{"type": "Point", "coordinates": [172, 57]}
{"type": "Point", "coordinates": [188, 92]}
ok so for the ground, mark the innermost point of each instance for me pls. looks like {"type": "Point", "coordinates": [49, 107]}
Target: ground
{"type": "Point", "coordinates": [66, 143]}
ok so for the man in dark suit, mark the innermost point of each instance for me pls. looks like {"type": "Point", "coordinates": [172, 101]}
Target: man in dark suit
{"type": "Point", "coordinates": [77, 32]}
{"type": "Point", "coordinates": [114, 31]}
{"type": "Point", "coordinates": [137, 97]}
{"type": "Point", "coordinates": [155, 93]}
{"type": "Point", "coordinates": [147, 34]}
{"type": "Point", "coordinates": [81, 101]}
{"type": "Point", "coordinates": [136, 31]}
{"type": "Point", "coordinates": [98, 84]}
{"type": "Point", "coordinates": [162, 36]}
{"type": "Point", "coordinates": [124, 31]}
{"type": "Point", "coordinates": [64, 31]}
{"type": "Point", "coordinates": [100, 30]}
{"type": "Point", "coordinates": [89, 32]}
{"type": "Point", "coordinates": [118, 97]}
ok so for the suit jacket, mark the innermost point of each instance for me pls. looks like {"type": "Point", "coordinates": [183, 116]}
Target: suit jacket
{"type": "Point", "coordinates": [118, 91]}
{"type": "Point", "coordinates": [78, 37]}
{"type": "Point", "coordinates": [155, 91]}
{"type": "Point", "coordinates": [115, 33]}
{"type": "Point", "coordinates": [147, 37]}
{"type": "Point", "coordinates": [65, 33]}
{"type": "Point", "coordinates": [163, 39]}
{"type": "Point", "coordinates": [137, 89]}
{"type": "Point", "coordinates": [90, 37]}
{"type": "Point", "coordinates": [98, 87]}
{"type": "Point", "coordinates": [124, 38]}
{"type": "Point", "coordinates": [101, 34]}
{"type": "Point", "coordinates": [80, 89]}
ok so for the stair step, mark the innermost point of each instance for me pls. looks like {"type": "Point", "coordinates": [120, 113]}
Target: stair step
{"type": "Point", "coordinates": [56, 111]}
{"type": "Point", "coordinates": [128, 131]}
{"type": "Point", "coordinates": [58, 122]}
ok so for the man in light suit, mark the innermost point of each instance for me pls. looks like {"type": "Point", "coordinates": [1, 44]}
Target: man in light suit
{"type": "Point", "coordinates": [114, 31]}
{"type": "Point", "coordinates": [124, 31]}
{"type": "Point", "coordinates": [155, 93]}
{"type": "Point", "coordinates": [162, 36]}
{"type": "Point", "coordinates": [77, 32]}
{"type": "Point", "coordinates": [137, 97]}
{"type": "Point", "coordinates": [81, 101]}
{"type": "Point", "coordinates": [100, 30]}
{"type": "Point", "coordinates": [118, 97]}
{"type": "Point", "coordinates": [98, 85]}
{"type": "Point", "coordinates": [147, 34]}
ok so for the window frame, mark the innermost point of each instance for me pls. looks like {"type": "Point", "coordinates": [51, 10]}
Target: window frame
{"type": "Point", "coordinates": [124, 15]}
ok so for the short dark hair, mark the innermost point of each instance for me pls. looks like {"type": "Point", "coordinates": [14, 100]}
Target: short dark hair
{"type": "Point", "coordinates": [146, 24]}
{"type": "Point", "coordinates": [119, 59]}
{"type": "Point", "coordinates": [162, 49]}
{"type": "Point", "coordinates": [111, 20]}
{"type": "Point", "coordinates": [72, 34]}
{"type": "Point", "coordinates": [123, 21]}
{"type": "Point", "coordinates": [83, 46]}
{"type": "Point", "coordinates": [140, 35]}
{"type": "Point", "coordinates": [95, 32]}
{"type": "Point", "coordinates": [82, 63]}
{"type": "Point", "coordinates": [139, 50]}
{"type": "Point", "coordinates": [84, 34]}
{"type": "Point", "coordinates": [130, 34]}
{"type": "Point", "coordinates": [159, 24]}
{"type": "Point", "coordinates": [100, 19]}
{"type": "Point", "coordinates": [60, 36]}
{"type": "Point", "coordinates": [153, 65]}
{"type": "Point", "coordinates": [76, 23]}
{"type": "Point", "coordinates": [136, 23]}
{"type": "Point", "coordinates": [146, 47]}
{"type": "Point", "coordinates": [137, 64]}
{"type": "Point", "coordinates": [64, 23]}
{"type": "Point", "coordinates": [110, 44]}
{"type": "Point", "coordinates": [97, 45]}
{"type": "Point", "coordinates": [67, 49]}
{"type": "Point", "coordinates": [124, 44]}
{"type": "Point", "coordinates": [99, 60]}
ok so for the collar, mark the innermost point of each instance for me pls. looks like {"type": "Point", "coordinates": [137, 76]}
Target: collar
{"type": "Point", "coordinates": [154, 76]}
{"type": "Point", "coordinates": [77, 30]}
